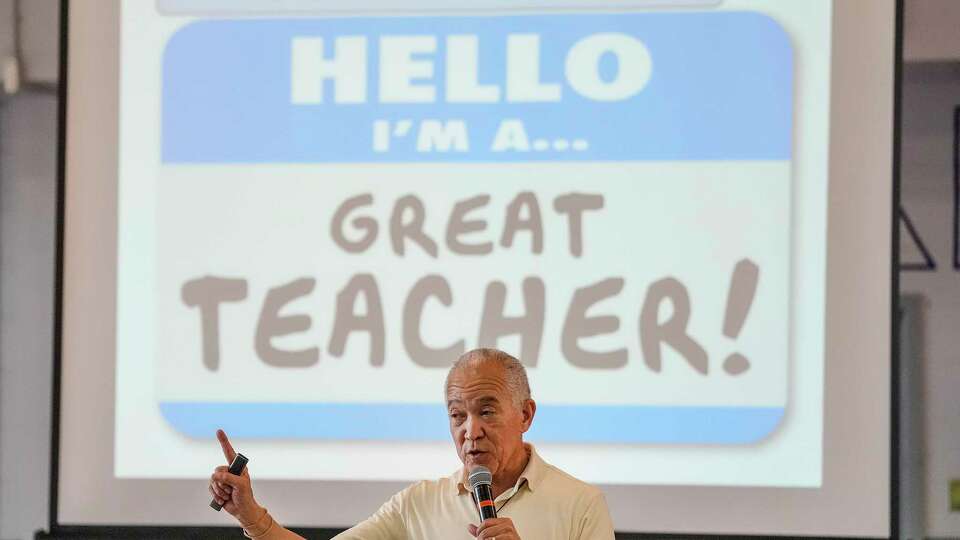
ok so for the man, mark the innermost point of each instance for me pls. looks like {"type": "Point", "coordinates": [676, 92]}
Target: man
{"type": "Point", "coordinates": [489, 407]}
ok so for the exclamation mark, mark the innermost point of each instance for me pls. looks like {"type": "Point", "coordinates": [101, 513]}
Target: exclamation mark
{"type": "Point", "coordinates": [743, 287]}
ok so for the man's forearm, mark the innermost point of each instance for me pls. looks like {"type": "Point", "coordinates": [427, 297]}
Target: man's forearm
{"type": "Point", "coordinates": [266, 528]}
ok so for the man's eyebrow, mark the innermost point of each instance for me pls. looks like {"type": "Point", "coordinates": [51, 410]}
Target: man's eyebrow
{"type": "Point", "coordinates": [485, 400]}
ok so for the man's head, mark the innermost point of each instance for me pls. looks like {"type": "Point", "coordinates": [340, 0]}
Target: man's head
{"type": "Point", "coordinates": [489, 407]}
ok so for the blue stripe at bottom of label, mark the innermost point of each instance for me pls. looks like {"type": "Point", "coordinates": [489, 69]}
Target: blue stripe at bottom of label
{"type": "Point", "coordinates": [427, 422]}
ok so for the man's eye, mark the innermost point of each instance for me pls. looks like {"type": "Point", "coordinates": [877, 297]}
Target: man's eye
{"type": "Point", "coordinates": [486, 412]}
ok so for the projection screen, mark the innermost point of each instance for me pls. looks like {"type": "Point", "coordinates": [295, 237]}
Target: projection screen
{"type": "Point", "coordinates": [287, 219]}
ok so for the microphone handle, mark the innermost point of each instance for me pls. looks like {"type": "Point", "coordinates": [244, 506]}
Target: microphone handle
{"type": "Point", "coordinates": [485, 505]}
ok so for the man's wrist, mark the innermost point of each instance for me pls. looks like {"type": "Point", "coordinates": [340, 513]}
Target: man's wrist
{"type": "Point", "coordinates": [261, 527]}
{"type": "Point", "coordinates": [252, 519]}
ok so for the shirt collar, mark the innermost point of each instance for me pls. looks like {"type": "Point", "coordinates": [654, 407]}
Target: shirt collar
{"type": "Point", "coordinates": [532, 474]}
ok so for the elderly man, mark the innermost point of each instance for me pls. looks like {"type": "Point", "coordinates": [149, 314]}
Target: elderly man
{"type": "Point", "coordinates": [489, 407]}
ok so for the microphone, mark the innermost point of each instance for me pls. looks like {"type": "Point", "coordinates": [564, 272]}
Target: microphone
{"type": "Point", "coordinates": [481, 482]}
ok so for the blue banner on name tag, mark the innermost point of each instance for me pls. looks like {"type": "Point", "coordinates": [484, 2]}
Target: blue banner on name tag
{"type": "Point", "coordinates": [584, 87]}
{"type": "Point", "coordinates": [427, 422]}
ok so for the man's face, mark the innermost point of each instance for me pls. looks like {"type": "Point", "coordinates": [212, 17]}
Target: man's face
{"type": "Point", "coordinates": [486, 426]}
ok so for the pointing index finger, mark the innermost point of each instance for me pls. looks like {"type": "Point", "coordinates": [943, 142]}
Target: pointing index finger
{"type": "Point", "coordinates": [228, 451]}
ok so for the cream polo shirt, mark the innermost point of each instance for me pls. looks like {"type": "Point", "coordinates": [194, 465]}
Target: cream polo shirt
{"type": "Point", "coordinates": [545, 504]}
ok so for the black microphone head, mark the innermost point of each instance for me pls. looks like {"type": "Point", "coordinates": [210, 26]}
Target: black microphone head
{"type": "Point", "coordinates": [479, 475]}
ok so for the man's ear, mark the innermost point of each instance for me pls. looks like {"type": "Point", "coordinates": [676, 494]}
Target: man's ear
{"type": "Point", "coordinates": [529, 410]}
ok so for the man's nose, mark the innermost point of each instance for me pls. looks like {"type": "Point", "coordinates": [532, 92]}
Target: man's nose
{"type": "Point", "coordinates": [474, 430]}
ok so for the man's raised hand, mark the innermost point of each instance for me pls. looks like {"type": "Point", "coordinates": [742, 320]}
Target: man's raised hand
{"type": "Point", "coordinates": [234, 492]}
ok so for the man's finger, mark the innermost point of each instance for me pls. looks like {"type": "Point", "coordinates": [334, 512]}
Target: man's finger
{"type": "Point", "coordinates": [228, 479]}
{"type": "Point", "coordinates": [495, 528]}
{"type": "Point", "coordinates": [228, 451]}
{"type": "Point", "coordinates": [217, 492]}
{"type": "Point", "coordinates": [496, 532]}
{"type": "Point", "coordinates": [472, 529]}
{"type": "Point", "coordinates": [218, 496]}
{"type": "Point", "coordinates": [494, 522]}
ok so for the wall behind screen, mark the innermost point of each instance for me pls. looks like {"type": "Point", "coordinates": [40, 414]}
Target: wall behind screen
{"type": "Point", "coordinates": [28, 183]}
{"type": "Point", "coordinates": [28, 208]}
{"type": "Point", "coordinates": [931, 92]}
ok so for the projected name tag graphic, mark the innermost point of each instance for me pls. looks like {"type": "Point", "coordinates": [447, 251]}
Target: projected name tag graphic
{"type": "Point", "coordinates": [346, 205]}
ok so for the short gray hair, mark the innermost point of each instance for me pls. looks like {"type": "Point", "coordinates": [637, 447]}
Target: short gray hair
{"type": "Point", "coordinates": [516, 374]}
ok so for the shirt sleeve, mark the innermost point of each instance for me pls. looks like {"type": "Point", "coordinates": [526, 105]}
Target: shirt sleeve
{"type": "Point", "coordinates": [385, 524]}
{"type": "Point", "coordinates": [595, 524]}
